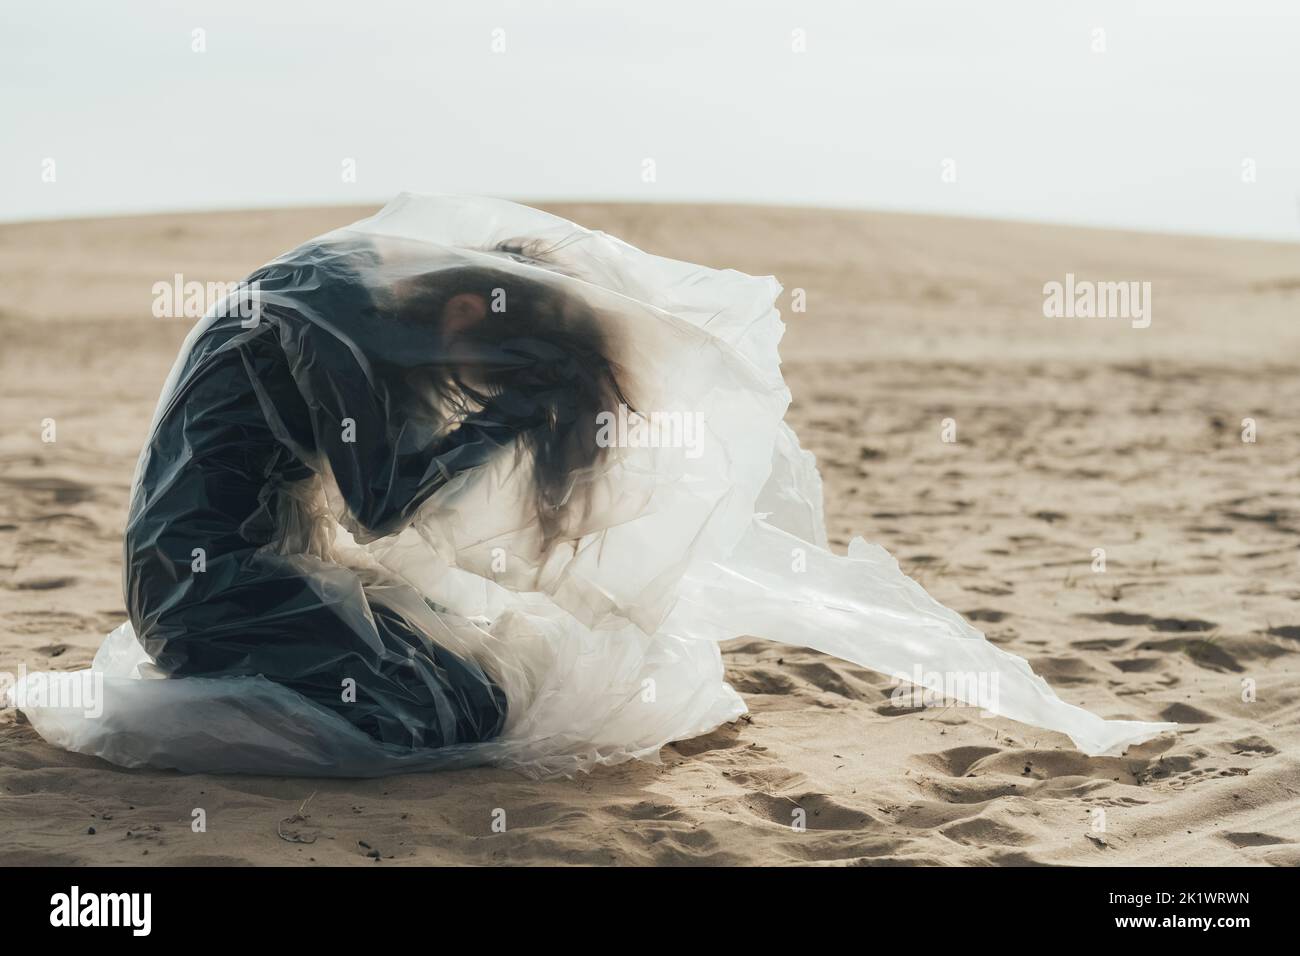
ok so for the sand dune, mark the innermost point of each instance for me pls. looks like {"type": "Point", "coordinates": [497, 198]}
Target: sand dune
{"type": "Point", "coordinates": [1073, 435]}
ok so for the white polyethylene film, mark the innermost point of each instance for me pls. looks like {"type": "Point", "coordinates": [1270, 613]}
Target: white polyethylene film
{"type": "Point", "coordinates": [484, 610]}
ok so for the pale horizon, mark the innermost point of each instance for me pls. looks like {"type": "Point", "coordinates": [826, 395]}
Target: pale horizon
{"type": "Point", "coordinates": [1157, 116]}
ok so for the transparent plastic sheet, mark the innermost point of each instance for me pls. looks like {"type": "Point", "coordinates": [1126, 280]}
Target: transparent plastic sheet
{"type": "Point", "coordinates": [369, 469]}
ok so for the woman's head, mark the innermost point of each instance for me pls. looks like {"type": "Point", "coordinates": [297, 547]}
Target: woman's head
{"type": "Point", "coordinates": [523, 351]}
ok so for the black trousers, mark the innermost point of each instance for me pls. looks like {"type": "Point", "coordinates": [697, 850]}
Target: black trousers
{"type": "Point", "coordinates": [328, 382]}
{"type": "Point", "coordinates": [364, 650]}
{"type": "Point", "coordinates": [211, 591]}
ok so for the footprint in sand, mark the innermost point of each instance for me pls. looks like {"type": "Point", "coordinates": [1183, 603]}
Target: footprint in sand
{"type": "Point", "coordinates": [1251, 745]}
{"type": "Point", "coordinates": [1164, 624]}
{"type": "Point", "coordinates": [1187, 714]}
{"type": "Point", "coordinates": [43, 583]}
{"type": "Point", "coordinates": [1252, 839]}
{"type": "Point", "coordinates": [820, 812]}
{"type": "Point", "coordinates": [985, 614]}
{"type": "Point", "coordinates": [1205, 652]}
{"type": "Point", "coordinates": [982, 831]}
{"type": "Point", "coordinates": [62, 491]}
{"type": "Point", "coordinates": [957, 761]}
{"type": "Point", "coordinates": [1137, 665]}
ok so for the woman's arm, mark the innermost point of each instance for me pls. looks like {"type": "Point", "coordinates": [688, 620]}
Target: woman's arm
{"type": "Point", "coordinates": [388, 457]}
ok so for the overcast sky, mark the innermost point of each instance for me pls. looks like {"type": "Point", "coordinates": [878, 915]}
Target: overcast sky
{"type": "Point", "coordinates": [1158, 122]}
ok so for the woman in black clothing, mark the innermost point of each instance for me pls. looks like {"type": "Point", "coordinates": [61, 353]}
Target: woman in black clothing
{"type": "Point", "coordinates": [385, 391]}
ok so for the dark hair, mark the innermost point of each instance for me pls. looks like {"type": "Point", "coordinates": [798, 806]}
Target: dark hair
{"type": "Point", "coordinates": [539, 363]}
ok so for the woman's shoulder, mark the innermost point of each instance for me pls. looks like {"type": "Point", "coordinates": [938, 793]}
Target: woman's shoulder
{"type": "Point", "coordinates": [343, 260]}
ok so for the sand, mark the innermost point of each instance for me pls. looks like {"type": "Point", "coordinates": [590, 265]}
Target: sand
{"type": "Point", "coordinates": [1073, 434]}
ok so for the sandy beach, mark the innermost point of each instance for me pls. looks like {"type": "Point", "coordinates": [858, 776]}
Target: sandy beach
{"type": "Point", "coordinates": [1073, 434]}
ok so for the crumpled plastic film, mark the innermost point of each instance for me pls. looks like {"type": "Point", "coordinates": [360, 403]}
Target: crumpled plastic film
{"type": "Point", "coordinates": [465, 483]}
